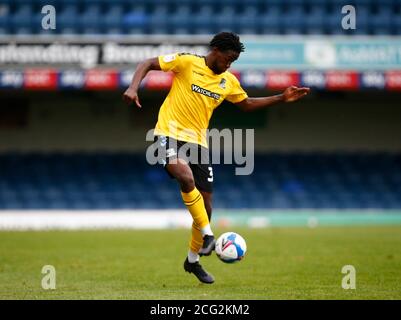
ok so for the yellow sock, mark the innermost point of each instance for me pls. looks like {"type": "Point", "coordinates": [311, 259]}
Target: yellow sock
{"type": "Point", "coordinates": [196, 206]}
{"type": "Point", "coordinates": [196, 239]}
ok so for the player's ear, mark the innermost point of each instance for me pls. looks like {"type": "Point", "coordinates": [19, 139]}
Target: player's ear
{"type": "Point", "coordinates": [215, 50]}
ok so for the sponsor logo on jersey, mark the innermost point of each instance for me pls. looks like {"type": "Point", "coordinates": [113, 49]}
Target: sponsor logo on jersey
{"type": "Point", "coordinates": [222, 83]}
{"type": "Point", "coordinates": [205, 92]}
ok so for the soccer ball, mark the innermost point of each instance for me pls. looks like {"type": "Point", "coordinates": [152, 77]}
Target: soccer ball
{"type": "Point", "coordinates": [230, 247]}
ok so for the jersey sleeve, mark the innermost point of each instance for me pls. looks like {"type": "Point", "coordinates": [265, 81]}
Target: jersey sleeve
{"type": "Point", "coordinates": [237, 94]}
{"type": "Point", "coordinates": [172, 62]}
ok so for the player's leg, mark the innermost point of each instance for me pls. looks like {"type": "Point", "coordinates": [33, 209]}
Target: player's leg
{"type": "Point", "coordinates": [203, 245]}
{"type": "Point", "coordinates": [196, 242]}
{"type": "Point", "coordinates": [203, 176]}
{"type": "Point", "coordinates": [193, 199]}
{"type": "Point", "coordinates": [177, 167]}
{"type": "Point", "coordinates": [207, 199]}
{"type": "Point", "coordinates": [191, 196]}
{"type": "Point", "coordinates": [167, 151]}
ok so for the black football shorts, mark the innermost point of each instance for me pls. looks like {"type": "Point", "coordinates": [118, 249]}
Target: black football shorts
{"type": "Point", "coordinates": [197, 156]}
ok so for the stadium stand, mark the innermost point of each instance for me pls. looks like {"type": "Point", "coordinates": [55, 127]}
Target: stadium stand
{"type": "Point", "coordinates": [375, 17]}
{"type": "Point", "coordinates": [123, 180]}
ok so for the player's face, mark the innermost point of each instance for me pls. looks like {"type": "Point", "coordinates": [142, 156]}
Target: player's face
{"type": "Point", "coordinates": [223, 61]}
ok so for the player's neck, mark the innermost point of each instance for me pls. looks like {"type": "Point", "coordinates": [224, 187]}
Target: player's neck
{"type": "Point", "coordinates": [208, 62]}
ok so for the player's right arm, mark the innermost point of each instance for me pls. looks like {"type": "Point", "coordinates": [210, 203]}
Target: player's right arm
{"type": "Point", "coordinates": [131, 94]}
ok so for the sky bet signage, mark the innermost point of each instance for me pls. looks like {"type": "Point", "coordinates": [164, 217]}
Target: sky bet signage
{"type": "Point", "coordinates": [113, 79]}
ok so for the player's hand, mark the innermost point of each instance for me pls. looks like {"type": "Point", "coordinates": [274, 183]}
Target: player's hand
{"type": "Point", "coordinates": [294, 93]}
{"type": "Point", "coordinates": [131, 96]}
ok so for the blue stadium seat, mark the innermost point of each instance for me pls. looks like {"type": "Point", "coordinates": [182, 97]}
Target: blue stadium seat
{"type": "Point", "coordinates": [226, 19]}
{"type": "Point", "coordinates": [318, 3]}
{"type": "Point", "coordinates": [270, 20]}
{"type": "Point", "coordinates": [180, 20]}
{"type": "Point", "coordinates": [294, 20]}
{"type": "Point", "coordinates": [385, 3]}
{"type": "Point", "coordinates": [315, 21]}
{"type": "Point", "coordinates": [380, 22]}
{"type": "Point", "coordinates": [91, 20]}
{"type": "Point", "coordinates": [291, 3]}
{"type": "Point", "coordinates": [136, 20]}
{"type": "Point", "coordinates": [70, 2]}
{"type": "Point", "coordinates": [248, 21]}
{"type": "Point", "coordinates": [204, 21]}
{"type": "Point", "coordinates": [206, 2]}
{"type": "Point", "coordinates": [338, 4]}
{"type": "Point", "coordinates": [158, 21]}
{"type": "Point", "coordinates": [275, 4]}
{"type": "Point", "coordinates": [68, 20]}
{"type": "Point", "coordinates": [5, 19]}
{"type": "Point", "coordinates": [114, 21]}
{"type": "Point", "coordinates": [23, 2]}
{"type": "Point", "coordinates": [22, 20]}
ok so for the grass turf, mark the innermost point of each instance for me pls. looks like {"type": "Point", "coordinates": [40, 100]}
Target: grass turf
{"type": "Point", "coordinates": [281, 263]}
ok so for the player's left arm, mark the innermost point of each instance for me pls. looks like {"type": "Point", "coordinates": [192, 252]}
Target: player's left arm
{"type": "Point", "coordinates": [290, 94]}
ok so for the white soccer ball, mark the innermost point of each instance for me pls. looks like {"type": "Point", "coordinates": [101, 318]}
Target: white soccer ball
{"type": "Point", "coordinates": [230, 247]}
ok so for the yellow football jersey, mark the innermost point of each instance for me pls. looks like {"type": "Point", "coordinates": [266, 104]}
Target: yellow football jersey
{"type": "Point", "coordinates": [196, 91]}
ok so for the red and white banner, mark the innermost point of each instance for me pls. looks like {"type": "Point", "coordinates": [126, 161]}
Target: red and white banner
{"type": "Point", "coordinates": [282, 79]}
{"type": "Point", "coordinates": [342, 80]}
{"type": "Point", "coordinates": [44, 79]}
{"type": "Point", "coordinates": [101, 79]}
{"type": "Point", "coordinates": [393, 80]}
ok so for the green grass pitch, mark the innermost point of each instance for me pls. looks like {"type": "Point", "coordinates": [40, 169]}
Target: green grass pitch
{"type": "Point", "coordinates": [281, 263]}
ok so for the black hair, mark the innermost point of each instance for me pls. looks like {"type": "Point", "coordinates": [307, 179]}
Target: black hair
{"type": "Point", "coordinates": [225, 41]}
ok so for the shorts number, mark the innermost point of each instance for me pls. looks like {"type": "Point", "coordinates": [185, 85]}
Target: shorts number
{"type": "Point", "coordinates": [210, 178]}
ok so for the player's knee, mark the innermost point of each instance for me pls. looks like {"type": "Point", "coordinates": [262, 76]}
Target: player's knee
{"type": "Point", "coordinates": [187, 182]}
